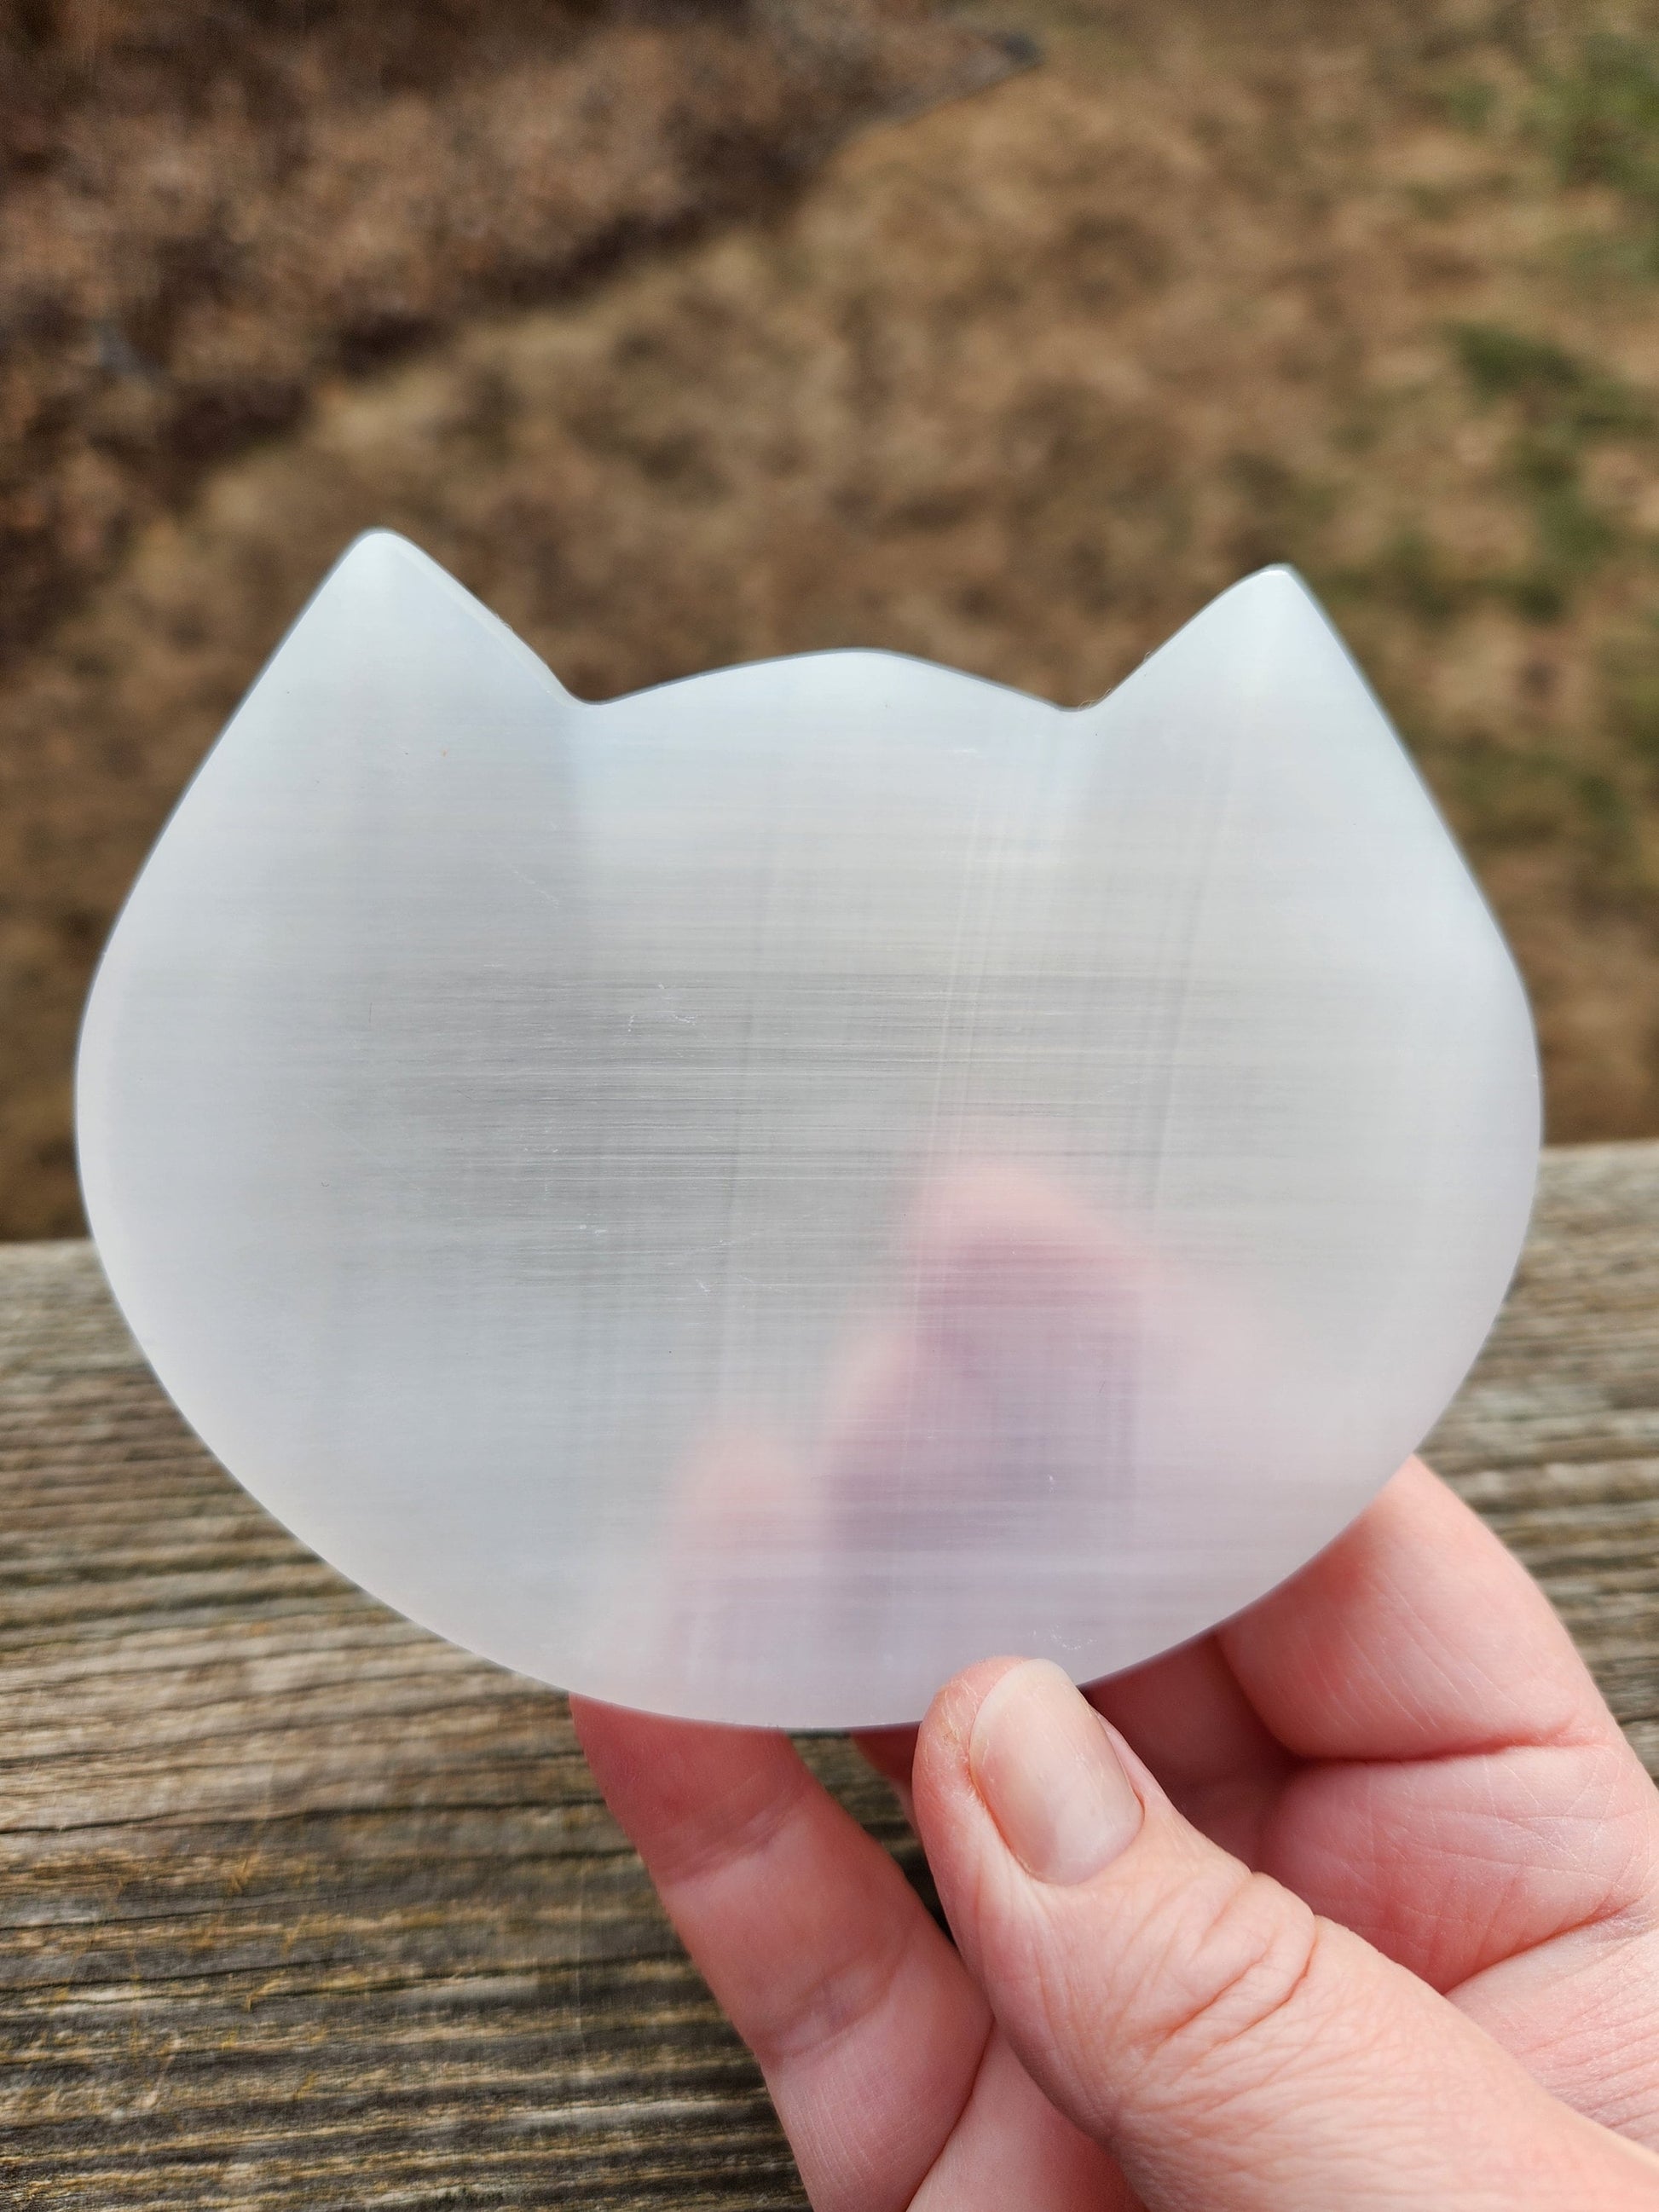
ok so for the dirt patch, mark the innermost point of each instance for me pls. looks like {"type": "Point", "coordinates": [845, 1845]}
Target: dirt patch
{"type": "Point", "coordinates": [1018, 386]}
{"type": "Point", "coordinates": [210, 203]}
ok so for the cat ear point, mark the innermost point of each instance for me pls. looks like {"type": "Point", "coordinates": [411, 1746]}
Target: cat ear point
{"type": "Point", "coordinates": [380, 565]}
{"type": "Point", "coordinates": [379, 560]}
{"type": "Point", "coordinates": [383, 585]}
{"type": "Point", "coordinates": [1280, 586]}
{"type": "Point", "coordinates": [1269, 607]}
{"type": "Point", "coordinates": [1276, 600]}
{"type": "Point", "coordinates": [1265, 618]}
{"type": "Point", "coordinates": [1278, 577]}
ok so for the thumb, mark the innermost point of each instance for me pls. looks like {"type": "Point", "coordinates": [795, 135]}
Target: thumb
{"type": "Point", "coordinates": [1234, 2051]}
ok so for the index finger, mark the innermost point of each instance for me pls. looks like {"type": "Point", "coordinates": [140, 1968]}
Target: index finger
{"type": "Point", "coordinates": [862, 2016]}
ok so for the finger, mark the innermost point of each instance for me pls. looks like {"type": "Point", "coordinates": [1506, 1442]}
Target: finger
{"type": "Point", "coordinates": [868, 2030]}
{"type": "Point", "coordinates": [1521, 1878]}
{"type": "Point", "coordinates": [1187, 1716]}
{"type": "Point", "coordinates": [1415, 1635]}
{"type": "Point", "coordinates": [1234, 2051]}
{"type": "Point", "coordinates": [891, 1751]}
{"type": "Point", "coordinates": [1000, 1360]}
{"type": "Point", "coordinates": [1014, 2151]}
{"type": "Point", "coordinates": [1456, 1731]}
{"type": "Point", "coordinates": [1453, 1865]}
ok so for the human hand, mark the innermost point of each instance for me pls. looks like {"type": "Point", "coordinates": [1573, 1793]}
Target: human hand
{"type": "Point", "coordinates": [1383, 1931]}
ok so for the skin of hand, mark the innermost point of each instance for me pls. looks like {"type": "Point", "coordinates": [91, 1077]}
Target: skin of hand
{"type": "Point", "coordinates": [1353, 1902]}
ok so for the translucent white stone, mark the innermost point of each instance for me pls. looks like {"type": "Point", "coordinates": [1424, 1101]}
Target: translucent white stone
{"type": "Point", "coordinates": [744, 1198]}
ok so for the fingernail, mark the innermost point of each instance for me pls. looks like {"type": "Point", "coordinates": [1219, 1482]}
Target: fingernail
{"type": "Point", "coordinates": [1050, 1778]}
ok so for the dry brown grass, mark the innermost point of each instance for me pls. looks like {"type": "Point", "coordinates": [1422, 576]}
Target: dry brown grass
{"type": "Point", "coordinates": [1373, 288]}
{"type": "Point", "coordinates": [208, 204]}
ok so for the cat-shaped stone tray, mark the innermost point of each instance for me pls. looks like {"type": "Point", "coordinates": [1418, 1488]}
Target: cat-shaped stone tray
{"type": "Point", "coordinates": [744, 1198]}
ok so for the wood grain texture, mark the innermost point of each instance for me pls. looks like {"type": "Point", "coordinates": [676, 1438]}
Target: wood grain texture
{"type": "Point", "coordinates": [301, 1907]}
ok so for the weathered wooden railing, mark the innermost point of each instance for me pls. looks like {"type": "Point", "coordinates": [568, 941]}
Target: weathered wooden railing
{"type": "Point", "coordinates": [303, 1908]}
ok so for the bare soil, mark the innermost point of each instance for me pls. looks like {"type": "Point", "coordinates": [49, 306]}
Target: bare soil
{"type": "Point", "coordinates": [1017, 385]}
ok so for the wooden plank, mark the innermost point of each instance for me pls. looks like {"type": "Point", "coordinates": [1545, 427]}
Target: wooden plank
{"type": "Point", "coordinates": [301, 1907]}
{"type": "Point", "coordinates": [1555, 1437]}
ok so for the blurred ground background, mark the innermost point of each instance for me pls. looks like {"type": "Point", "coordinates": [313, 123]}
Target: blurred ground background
{"type": "Point", "coordinates": [686, 334]}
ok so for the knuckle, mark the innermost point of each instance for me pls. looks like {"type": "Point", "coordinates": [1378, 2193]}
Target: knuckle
{"type": "Point", "coordinates": [843, 1995]}
{"type": "Point", "coordinates": [1229, 1999]}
